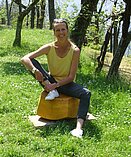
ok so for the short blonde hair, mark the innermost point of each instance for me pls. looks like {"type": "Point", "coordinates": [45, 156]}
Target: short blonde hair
{"type": "Point", "coordinates": [59, 21]}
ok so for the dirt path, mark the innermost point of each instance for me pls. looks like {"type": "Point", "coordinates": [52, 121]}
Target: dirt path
{"type": "Point", "coordinates": [125, 66]}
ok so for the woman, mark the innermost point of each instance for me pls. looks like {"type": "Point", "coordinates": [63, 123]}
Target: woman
{"type": "Point", "coordinates": [63, 58]}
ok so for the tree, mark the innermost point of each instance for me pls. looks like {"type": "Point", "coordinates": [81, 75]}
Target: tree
{"type": "Point", "coordinates": [97, 21]}
{"type": "Point", "coordinates": [116, 18]}
{"type": "Point", "coordinates": [52, 14]}
{"type": "Point", "coordinates": [22, 14]}
{"type": "Point", "coordinates": [40, 13]}
{"type": "Point", "coordinates": [83, 20]}
{"type": "Point", "coordinates": [32, 17]}
{"type": "Point", "coordinates": [37, 16]}
{"type": "Point", "coordinates": [8, 13]}
{"type": "Point", "coordinates": [101, 57]}
{"type": "Point", "coordinates": [108, 37]}
{"type": "Point", "coordinates": [125, 40]}
{"type": "Point", "coordinates": [27, 17]}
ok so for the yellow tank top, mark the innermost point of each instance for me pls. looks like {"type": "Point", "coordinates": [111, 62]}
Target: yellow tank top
{"type": "Point", "coordinates": [59, 67]}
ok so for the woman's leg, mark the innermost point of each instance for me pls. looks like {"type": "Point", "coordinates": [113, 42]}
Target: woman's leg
{"type": "Point", "coordinates": [46, 79]}
{"type": "Point", "coordinates": [46, 76]}
{"type": "Point", "coordinates": [75, 90]}
{"type": "Point", "coordinates": [78, 91]}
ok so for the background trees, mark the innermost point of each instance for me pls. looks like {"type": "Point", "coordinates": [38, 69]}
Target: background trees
{"type": "Point", "coordinates": [124, 41]}
{"type": "Point", "coordinates": [83, 20]}
{"type": "Point", "coordinates": [92, 25]}
{"type": "Point", "coordinates": [23, 11]}
{"type": "Point", "coordinates": [52, 14]}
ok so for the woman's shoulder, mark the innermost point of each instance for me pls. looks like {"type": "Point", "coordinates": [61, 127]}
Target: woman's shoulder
{"type": "Point", "coordinates": [50, 44]}
{"type": "Point", "coordinates": [74, 47]}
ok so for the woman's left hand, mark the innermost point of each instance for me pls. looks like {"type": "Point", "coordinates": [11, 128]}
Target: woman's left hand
{"type": "Point", "coordinates": [49, 87]}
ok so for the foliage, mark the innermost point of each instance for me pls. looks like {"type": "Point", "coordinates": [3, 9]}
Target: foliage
{"type": "Point", "coordinates": [94, 31]}
{"type": "Point", "coordinates": [62, 11]}
{"type": "Point", "coordinates": [67, 12]}
{"type": "Point", "coordinates": [108, 136]}
{"type": "Point", "coordinates": [14, 15]}
{"type": "Point", "coordinates": [2, 12]}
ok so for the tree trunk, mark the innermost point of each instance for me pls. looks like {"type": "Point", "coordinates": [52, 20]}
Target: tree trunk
{"type": "Point", "coordinates": [111, 42]}
{"type": "Point", "coordinates": [116, 35]}
{"type": "Point", "coordinates": [38, 16]}
{"type": "Point", "coordinates": [17, 41]}
{"type": "Point", "coordinates": [113, 71]}
{"type": "Point", "coordinates": [115, 42]}
{"type": "Point", "coordinates": [82, 1]}
{"type": "Point", "coordinates": [125, 40]}
{"type": "Point", "coordinates": [32, 18]}
{"type": "Point", "coordinates": [83, 20]}
{"type": "Point", "coordinates": [10, 10]}
{"type": "Point", "coordinates": [97, 22]}
{"type": "Point", "coordinates": [19, 26]}
{"type": "Point", "coordinates": [27, 21]}
{"type": "Point", "coordinates": [114, 39]}
{"type": "Point", "coordinates": [8, 15]}
{"type": "Point", "coordinates": [27, 17]}
{"type": "Point", "coordinates": [101, 57]}
{"type": "Point", "coordinates": [52, 15]}
{"type": "Point", "coordinates": [42, 5]}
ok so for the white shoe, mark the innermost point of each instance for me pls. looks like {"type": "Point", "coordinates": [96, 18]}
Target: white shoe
{"type": "Point", "coordinates": [52, 95]}
{"type": "Point", "coordinates": [77, 133]}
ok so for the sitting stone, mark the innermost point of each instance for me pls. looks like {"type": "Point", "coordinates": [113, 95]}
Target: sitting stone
{"type": "Point", "coordinates": [59, 108]}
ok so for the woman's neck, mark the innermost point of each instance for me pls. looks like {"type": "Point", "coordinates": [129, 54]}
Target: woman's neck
{"type": "Point", "coordinates": [61, 43]}
{"type": "Point", "coordinates": [62, 48]}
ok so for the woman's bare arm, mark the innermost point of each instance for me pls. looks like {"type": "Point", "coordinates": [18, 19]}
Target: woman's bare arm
{"type": "Point", "coordinates": [71, 76]}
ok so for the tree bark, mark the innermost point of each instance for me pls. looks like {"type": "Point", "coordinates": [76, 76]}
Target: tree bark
{"type": "Point", "coordinates": [52, 14]}
{"type": "Point", "coordinates": [8, 13]}
{"type": "Point", "coordinates": [10, 10]}
{"type": "Point", "coordinates": [83, 20]}
{"type": "Point", "coordinates": [101, 57]}
{"type": "Point", "coordinates": [38, 16]}
{"type": "Point", "coordinates": [42, 5]}
{"type": "Point", "coordinates": [32, 18]}
{"type": "Point", "coordinates": [22, 14]}
{"type": "Point", "coordinates": [115, 32]}
{"type": "Point", "coordinates": [17, 41]}
{"type": "Point", "coordinates": [113, 71]}
{"type": "Point", "coordinates": [115, 37]}
{"type": "Point", "coordinates": [125, 40]}
{"type": "Point", "coordinates": [97, 22]}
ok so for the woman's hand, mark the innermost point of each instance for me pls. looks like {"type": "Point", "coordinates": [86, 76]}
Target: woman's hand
{"type": "Point", "coordinates": [49, 87]}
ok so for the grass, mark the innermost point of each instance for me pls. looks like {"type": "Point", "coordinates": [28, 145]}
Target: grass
{"type": "Point", "coordinates": [108, 136]}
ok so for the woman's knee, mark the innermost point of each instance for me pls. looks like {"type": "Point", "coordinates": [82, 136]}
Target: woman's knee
{"type": "Point", "coordinates": [86, 93]}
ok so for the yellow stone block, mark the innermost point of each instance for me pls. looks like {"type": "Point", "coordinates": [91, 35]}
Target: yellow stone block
{"type": "Point", "coordinates": [59, 108]}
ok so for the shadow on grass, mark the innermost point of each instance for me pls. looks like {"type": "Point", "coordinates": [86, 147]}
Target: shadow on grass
{"type": "Point", "coordinates": [92, 130]}
{"type": "Point", "coordinates": [102, 89]}
{"type": "Point", "coordinates": [21, 51]}
{"type": "Point", "coordinates": [11, 51]}
{"type": "Point", "coordinates": [102, 85]}
{"type": "Point", "coordinates": [63, 127]}
{"type": "Point", "coordinates": [16, 68]}
{"type": "Point", "coordinates": [13, 68]}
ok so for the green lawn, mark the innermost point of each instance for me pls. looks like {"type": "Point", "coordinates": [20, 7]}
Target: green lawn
{"type": "Point", "coordinates": [108, 136]}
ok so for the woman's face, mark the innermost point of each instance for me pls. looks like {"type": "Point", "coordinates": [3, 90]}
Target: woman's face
{"type": "Point", "coordinates": [60, 31]}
